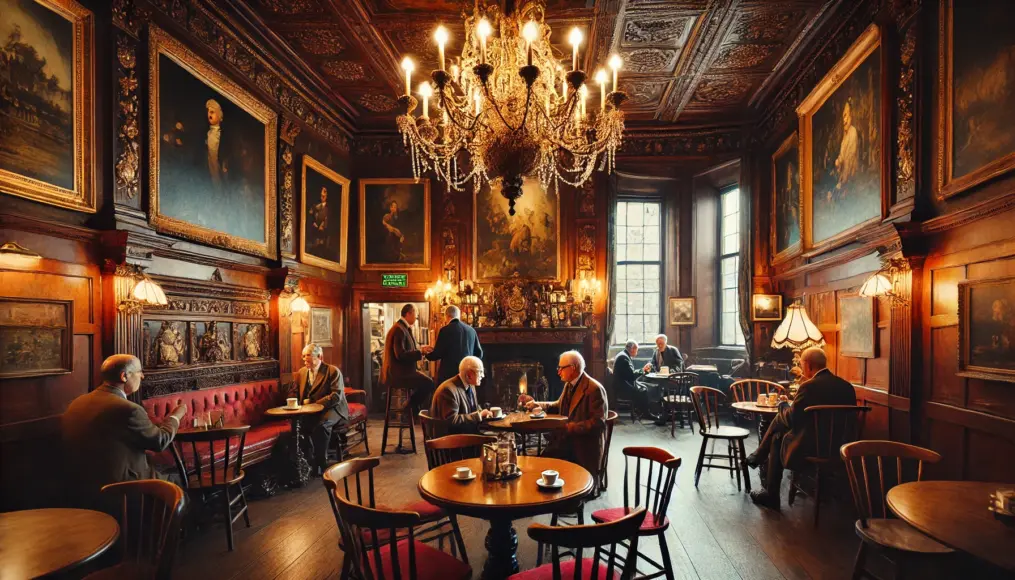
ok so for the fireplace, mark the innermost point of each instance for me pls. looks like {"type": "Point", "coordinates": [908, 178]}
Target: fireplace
{"type": "Point", "coordinates": [511, 378]}
{"type": "Point", "coordinates": [523, 356]}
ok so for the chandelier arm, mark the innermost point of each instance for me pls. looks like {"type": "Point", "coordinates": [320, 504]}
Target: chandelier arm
{"type": "Point", "coordinates": [496, 109]}
{"type": "Point", "coordinates": [456, 121]}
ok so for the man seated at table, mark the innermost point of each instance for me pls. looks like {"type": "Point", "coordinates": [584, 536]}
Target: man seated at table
{"type": "Point", "coordinates": [106, 435]}
{"type": "Point", "coordinates": [321, 383]}
{"type": "Point", "coordinates": [455, 400]}
{"type": "Point", "coordinates": [666, 356]}
{"type": "Point", "coordinates": [626, 377]}
{"type": "Point", "coordinates": [582, 439]}
{"type": "Point", "coordinates": [791, 437]}
{"type": "Point", "coordinates": [400, 356]}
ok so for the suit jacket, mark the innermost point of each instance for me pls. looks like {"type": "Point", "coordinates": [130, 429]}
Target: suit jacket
{"type": "Point", "coordinates": [328, 389]}
{"type": "Point", "coordinates": [624, 372]}
{"type": "Point", "coordinates": [671, 358]}
{"type": "Point", "coordinates": [586, 407]}
{"type": "Point", "coordinates": [823, 389]}
{"type": "Point", "coordinates": [400, 353]}
{"type": "Point", "coordinates": [455, 341]}
{"type": "Point", "coordinates": [105, 438]}
{"type": "Point", "coordinates": [451, 403]}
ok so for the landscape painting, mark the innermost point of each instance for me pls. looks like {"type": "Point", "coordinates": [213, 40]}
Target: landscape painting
{"type": "Point", "coordinates": [46, 86]}
{"type": "Point", "coordinates": [35, 337]}
{"type": "Point", "coordinates": [856, 327]}
{"type": "Point", "coordinates": [213, 153]}
{"type": "Point", "coordinates": [523, 246]}
{"type": "Point", "coordinates": [987, 329]}
{"type": "Point", "coordinates": [682, 311]}
{"type": "Point", "coordinates": [394, 219]}
{"type": "Point", "coordinates": [786, 200]}
{"type": "Point", "coordinates": [325, 224]}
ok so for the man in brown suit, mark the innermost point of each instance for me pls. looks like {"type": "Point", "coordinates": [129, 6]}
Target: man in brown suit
{"type": "Point", "coordinates": [321, 383]}
{"type": "Point", "coordinates": [583, 439]}
{"type": "Point", "coordinates": [106, 435]}
{"type": "Point", "coordinates": [455, 400]}
{"type": "Point", "coordinates": [400, 356]}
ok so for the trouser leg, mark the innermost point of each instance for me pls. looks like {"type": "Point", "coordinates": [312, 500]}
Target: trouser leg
{"type": "Point", "coordinates": [773, 474]}
{"type": "Point", "coordinates": [320, 436]}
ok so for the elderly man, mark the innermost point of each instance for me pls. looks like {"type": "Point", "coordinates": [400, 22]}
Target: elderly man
{"type": "Point", "coordinates": [583, 440]}
{"type": "Point", "coordinates": [400, 356]}
{"type": "Point", "coordinates": [454, 342]}
{"type": "Point", "coordinates": [791, 436]}
{"type": "Point", "coordinates": [321, 383]}
{"type": "Point", "coordinates": [455, 400]}
{"type": "Point", "coordinates": [666, 356]}
{"type": "Point", "coordinates": [106, 435]}
{"type": "Point", "coordinates": [626, 376]}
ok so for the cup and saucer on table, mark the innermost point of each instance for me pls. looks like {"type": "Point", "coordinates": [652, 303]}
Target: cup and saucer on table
{"type": "Point", "coordinates": [550, 479]}
{"type": "Point", "coordinates": [464, 474]}
{"type": "Point", "coordinates": [537, 413]}
{"type": "Point", "coordinates": [496, 413]}
{"type": "Point", "coordinates": [292, 404]}
{"type": "Point", "coordinates": [1002, 502]}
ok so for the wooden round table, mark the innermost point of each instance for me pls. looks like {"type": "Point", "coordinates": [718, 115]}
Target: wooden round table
{"type": "Point", "coordinates": [501, 502]}
{"type": "Point", "coordinates": [46, 541]}
{"type": "Point", "coordinates": [955, 513]}
{"type": "Point", "coordinates": [511, 419]}
{"type": "Point", "coordinates": [300, 464]}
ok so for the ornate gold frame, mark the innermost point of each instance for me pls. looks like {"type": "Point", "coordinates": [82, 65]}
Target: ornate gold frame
{"type": "Point", "coordinates": [82, 197]}
{"type": "Point", "coordinates": [754, 308]}
{"type": "Point", "coordinates": [363, 183]}
{"type": "Point", "coordinates": [343, 183]}
{"type": "Point", "coordinates": [794, 249]}
{"type": "Point", "coordinates": [669, 310]}
{"type": "Point", "coordinates": [160, 42]}
{"type": "Point", "coordinates": [947, 184]}
{"type": "Point", "coordinates": [966, 369]}
{"type": "Point", "coordinates": [495, 279]}
{"type": "Point", "coordinates": [861, 49]}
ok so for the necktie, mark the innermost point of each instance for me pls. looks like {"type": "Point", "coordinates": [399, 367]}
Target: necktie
{"type": "Point", "coordinates": [470, 395]}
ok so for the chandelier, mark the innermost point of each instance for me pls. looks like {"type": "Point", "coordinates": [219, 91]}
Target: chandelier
{"type": "Point", "coordinates": [507, 109]}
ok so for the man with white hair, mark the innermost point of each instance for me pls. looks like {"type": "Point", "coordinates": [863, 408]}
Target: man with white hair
{"type": "Point", "coordinates": [455, 341]}
{"type": "Point", "coordinates": [321, 383]}
{"type": "Point", "coordinates": [791, 437]}
{"type": "Point", "coordinates": [455, 400]}
{"type": "Point", "coordinates": [665, 356]}
{"type": "Point", "coordinates": [582, 439]}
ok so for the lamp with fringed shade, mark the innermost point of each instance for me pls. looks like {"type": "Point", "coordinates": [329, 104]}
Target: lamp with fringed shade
{"type": "Point", "coordinates": [149, 292]}
{"type": "Point", "coordinates": [797, 332]}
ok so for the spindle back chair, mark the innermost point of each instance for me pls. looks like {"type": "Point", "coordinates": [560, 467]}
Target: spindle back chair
{"type": "Point", "coordinates": [604, 540]}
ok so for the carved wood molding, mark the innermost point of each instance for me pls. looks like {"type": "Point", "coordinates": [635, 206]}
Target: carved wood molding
{"type": "Point", "coordinates": [966, 216]}
{"type": "Point", "coordinates": [675, 143]}
{"type": "Point", "coordinates": [287, 186]}
{"type": "Point", "coordinates": [905, 161]}
{"type": "Point", "coordinates": [129, 17]}
{"type": "Point", "coordinates": [533, 335]}
{"type": "Point", "coordinates": [127, 171]}
{"type": "Point", "coordinates": [160, 382]}
{"type": "Point", "coordinates": [187, 287]}
{"type": "Point", "coordinates": [887, 237]}
{"type": "Point", "coordinates": [25, 223]}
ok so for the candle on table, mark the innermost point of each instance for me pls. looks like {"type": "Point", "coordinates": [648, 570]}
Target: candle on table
{"type": "Point", "coordinates": [575, 38]}
{"type": "Point", "coordinates": [615, 64]}
{"type": "Point", "coordinates": [441, 36]}
{"type": "Point", "coordinates": [408, 67]}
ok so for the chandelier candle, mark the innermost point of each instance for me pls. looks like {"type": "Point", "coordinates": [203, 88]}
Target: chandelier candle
{"type": "Point", "coordinates": [575, 38]}
{"type": "Point", "coordinates": [615, 64]}
{"type": "Point", "coordinates": [530, 32]}
{"type": "Point", "coordinates": [426, 92]}
{"type": "Point", "coordinates": [601, 79]}
{"type": "Point", "coordinates": [483, 30]}
{"type": "Point", "coordinates": [408, 67]}
{"type": "Point", "coordinates": [441, 36]}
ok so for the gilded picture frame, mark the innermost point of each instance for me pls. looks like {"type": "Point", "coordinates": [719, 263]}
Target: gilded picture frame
{"type": "Point", "coordinates": [766, 307]}
{"type": "Point", "coordinates": [416, 231]}
{"type": "Point", "coordinates": [789, 147]}
{"type": "Point", "coordinates": [161, 43]}
{"type": "Point", "coordinates": [857, 317]}
{"type": "Point", "coordinates": [326, 174]}
{"type": "Point", "coordinates": [81, 195]}
{"type": "Point", "coordinates": [867, 49]}
{"type": "Point", "coordinates": [682, 311]}
{"type": "Point", "coordinates": [987, 329]}
{"type": "Point", "coordinates": [36, 337]}
{"type": "Point", "coordinates": [985, 116]}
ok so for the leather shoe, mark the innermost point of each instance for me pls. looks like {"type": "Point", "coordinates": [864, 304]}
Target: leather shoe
{"type": "Point", "coordinates": [765, 499]}
{"type": "Point", "coordinates": [753, 460]}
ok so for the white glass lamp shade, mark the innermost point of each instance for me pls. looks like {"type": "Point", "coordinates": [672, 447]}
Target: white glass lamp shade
{"type": "Point", "coordinates": [877, 285]}
{"type": "Point", "coordinates": [797, 330]}
{"type": "Point", "coordinates": [299, 304]}
{"type": "Point", "coordinates": [149, 292]}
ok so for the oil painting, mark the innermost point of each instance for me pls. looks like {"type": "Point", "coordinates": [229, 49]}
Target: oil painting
{"type": "Point", "coordinates": [856, 327]}
{"type": "Point", "coordinates": [785, 226]}
{"type": "Point", "coordinates": [212, 145]}
{"type": "Point", "coordinates": [976, 94]}
{"type": "Point", "coordinates": [987, 329]}
{"type": "Point", "coordinates": [682, 311]}
{"type": "Point", "coordinates": [394, 220]}
{"type": "Point", "coordinates": [35, 337]}
{"type": "Point", "coordinates": [842, 124]}
{"type": "Point", "coordinates": [46, 115]}
{"type": "Point", "coordinates": [523, 246]}
{"type": "Point", "coordinates": [325, 224]}
{"type": "Point", "coordinates": [766, 307]}
{"type": "Point", "coordinates": [320, 326]}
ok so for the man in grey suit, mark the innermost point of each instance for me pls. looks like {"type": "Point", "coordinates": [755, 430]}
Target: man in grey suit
{"type": "Point", "coordinates": [455, 341]}
{"type": "Point", "coordinates": [455, 400]}
{"type": "Point", "coordinates": [321, 383]}
{"type": "Point", "coordinates": [666, 356]}
{"type": "Point", "coordinates": [106, 435]}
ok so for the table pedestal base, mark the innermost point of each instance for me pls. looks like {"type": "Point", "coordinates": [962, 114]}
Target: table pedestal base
{"type": "Point", "coordinates": [502, 551]}
{"type": "Point", "coordinates": [300, 465]}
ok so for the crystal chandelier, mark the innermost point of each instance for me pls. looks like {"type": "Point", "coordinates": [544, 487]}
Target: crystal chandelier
{"type": "Point", "coordinates": [506, 109]}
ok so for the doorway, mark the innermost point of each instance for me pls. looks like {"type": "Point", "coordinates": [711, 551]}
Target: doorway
{"type": "Point", "coordinates": [378, 318]}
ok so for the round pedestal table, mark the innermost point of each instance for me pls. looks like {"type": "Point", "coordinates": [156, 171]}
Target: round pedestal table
{"type": "Point", "coordinates": [39, 542]}
{"type": "Point", "coordinates": [301, 466]}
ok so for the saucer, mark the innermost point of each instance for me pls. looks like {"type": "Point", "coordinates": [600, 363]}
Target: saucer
{"type": "Point", "coordinates": [296, 408]}
{"type": "Point", "coordinates": [556, 485]}
{"type": "Point", "coordinates": [497, 417]}
{"type": "Point", "coordinates": [470, 478]}
{"type": "Point", "coordinates": [539, 416]}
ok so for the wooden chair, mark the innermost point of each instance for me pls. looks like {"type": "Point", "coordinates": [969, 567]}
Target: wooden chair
{"type": "Point", "coordinates": [353, 434]}
{"type": "Point", "coordinates": [432, 428]}
{"type": "Point", "coordinates": [747, 391]}
{"type": "Point", "coordinates": [602, 478]}
{"type": "Point", "coordinates": [676, 400]}
{"type": "Point", "coordinates": [223, 472]}
{"type": "Point", "coordinates": [706, 406]}
{"type": "Point", "coordinates": [653, 488]}
{"type": "Point", "coordinates": [603, 538]}
{"type": "Point", "coordinates": [537, 427]}
{"type": "Point", "coordinates": [398, 413]}
{"type": "Point", "coordinates": [874, 467]}
{"type": "Point", "coordinates": [151, 512]}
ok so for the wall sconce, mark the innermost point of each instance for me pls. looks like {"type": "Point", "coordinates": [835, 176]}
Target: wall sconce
{"type": "Point", "coordinates": [882, 282]}
{"type": "Point", "coordinates": [16, 254]}
{"type": "Point", "coordinates": [587, 286]}
{"type": "Point", "coordinates": [442, 292]}
{"type": "Point", "coordinates": [298, 305]}
{"type": "Point", "coordinates": [147, 291]}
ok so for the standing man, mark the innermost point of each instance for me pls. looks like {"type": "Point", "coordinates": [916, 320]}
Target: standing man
{"type": "Point", "coordinates": [321, 383]}
{"type": "Point", "coordinates": [400, 356]}
{"type": "Point", "coordinates": [455, 400]}
{"type": "Point", "coordinates": [454, 342]}
{"type": "Point", "coordinates": [666, 356]}
{"type": "Point", "coordinates": [106, 435]}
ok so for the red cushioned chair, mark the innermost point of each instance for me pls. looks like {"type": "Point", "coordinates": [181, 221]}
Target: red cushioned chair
{"type": "Point", "coordinates": [658, 476]}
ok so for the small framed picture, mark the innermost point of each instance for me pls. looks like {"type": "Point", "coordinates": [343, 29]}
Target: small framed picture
{"type": "Point", "coordinates": [320, 326]}
{"type": "Point", "coordinates": [766, 307]}
{"type": "Point", "coordinates": [682, 311]}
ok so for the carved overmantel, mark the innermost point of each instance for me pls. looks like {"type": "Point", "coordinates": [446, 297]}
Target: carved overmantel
{"type": "Point", "coordinates": [502, 335]}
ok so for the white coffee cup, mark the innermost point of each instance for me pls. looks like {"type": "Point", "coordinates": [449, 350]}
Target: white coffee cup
{"type": "Point", "coordinates": [550, 476]}
{"type": "Point", "coordinates": [463, 472]}
{"type": "Point", "coordinates": [664, 370]}
{"type": "Point", "coordinates": [495, 411]}
{"type": "Point", "coordinates": [292, 403]}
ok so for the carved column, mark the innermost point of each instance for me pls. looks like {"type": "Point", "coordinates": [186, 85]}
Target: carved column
{"type": "Point", "coordinates": [128, 19]}
{"type": "Point", "coordinates": [287, 195]}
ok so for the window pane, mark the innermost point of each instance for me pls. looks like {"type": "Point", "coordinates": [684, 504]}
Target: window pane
{"type": "Point", "coordinates": [635, 235]}
{"type": "Point", "coordinates": [621, 303]}
{"type": "Point", "coordinates": [621, 285]}
{"type": "Point", "coordinates": [651, 252]}
{"type": "Point", "coordinates": [635, 271]}
{"type": "Point", "coordinates": [622, 213]}
{"type": "Point", "coordinates": [639, 271]}
{"type": "Point", "coordinates": [621, 252]}
{"type": "Point", "coordinates": [635, 214]}
{"type": "Point", "coordinates": [651, 327]}
{"type": "Point", "coordinates": [651, 212]}
{"type": "Point", "coordinates": [729, 300]}
{"type": "Point", "coordinates": [636, 285]}
{"type": "Point", "coordinates": [634, 252]}
{"type": "Point", "coordinates": [729, 224]}
{"type": "Point", "coordinates": [652, 281]}
{"type": "Point", "coordinates": [651, 303]}
{"type": "Point", "coordinates": [652, 235]}
{"type": "Point", "coordinates": [728, 335]}
{"type": "Point", "coordinates": [731, 244]}
{"type": "Point", "coordinates": [636, 303]}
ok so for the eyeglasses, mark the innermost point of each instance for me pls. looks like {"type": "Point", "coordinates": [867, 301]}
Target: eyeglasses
{"type": "Point", "coordinates": [560, 368]}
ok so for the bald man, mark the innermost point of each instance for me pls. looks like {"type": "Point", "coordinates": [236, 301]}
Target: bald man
{"type": "Point", "coordinates": [791, 435]}
{"type": "Point", "coordinates": [455, 400]}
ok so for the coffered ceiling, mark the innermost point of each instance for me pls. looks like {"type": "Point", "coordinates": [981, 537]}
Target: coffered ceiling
{"type": "Point", "coordinates": [686, 62]}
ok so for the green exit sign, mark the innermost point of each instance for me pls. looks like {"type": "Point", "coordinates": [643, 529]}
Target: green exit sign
{"type": "Point", "coordinates": [395, 280]}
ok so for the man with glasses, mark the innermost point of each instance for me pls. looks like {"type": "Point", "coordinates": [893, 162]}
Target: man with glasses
{"type": "Point", "coordinates": [455, 400]}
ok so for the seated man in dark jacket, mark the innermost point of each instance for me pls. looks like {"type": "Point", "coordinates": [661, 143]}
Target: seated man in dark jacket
{"type": "Point", "coordinates": [455, 400]}
{"type": "Point", "coordinates": [791, 435]}
{"type": "Point", "coordinates": [625, 377]}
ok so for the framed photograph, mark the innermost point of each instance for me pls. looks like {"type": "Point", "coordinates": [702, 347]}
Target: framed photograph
{"type": "Point", "coordinates": [324, 206]}
{"type": "Point", "coordinates": [320, 326]}
{"type": "Point", "coordinates": [766, 307]}
{"type": "Point", "coordinates": [682, 311]}
{"type": "Point", "coordinates": [785, 223]}
{"type": "Point", "coordinates": [394, 224]}
{"type": "Point", "coordinates": [987, 329]}
{"type": "Point", "coordinates": [857, 327]}
{"type": "Point", "coordinates": [35, 337]}
{"type": "Point", "coordinates": [976, 118]}
{"type": "Point", "coordinates": [525, 245]}
{"type": "Point", "coordinates": [845, 162]}
{"type": "Point", "coordinates": [212, 147]}
{"type": "Point", "coordinates": [47, 79]}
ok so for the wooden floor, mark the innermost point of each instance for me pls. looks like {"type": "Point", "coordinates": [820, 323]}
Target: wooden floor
{"type": "Point", "coordinates": [716, 532]}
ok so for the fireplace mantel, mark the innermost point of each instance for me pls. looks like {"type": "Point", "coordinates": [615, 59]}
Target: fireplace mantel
{"type": "Point", "coordinates": [521, 335]}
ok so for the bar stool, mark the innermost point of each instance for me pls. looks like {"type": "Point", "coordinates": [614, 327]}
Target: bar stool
{"type": "Point", "coordinates": [398, 414]}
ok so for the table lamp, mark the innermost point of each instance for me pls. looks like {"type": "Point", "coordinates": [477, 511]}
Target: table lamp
{"type": "Point", "coordinates": [797, 332]}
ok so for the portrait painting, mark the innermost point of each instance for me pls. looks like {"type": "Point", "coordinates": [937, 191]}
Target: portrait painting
{"type": "Point", "coordinates": [35, 337]}
{"type": "Point", "coordinates": [766, 307]}
{"type": "Point", "coordinates": [325, 209]}
{"type": "Point", "coordinates": [682, 311]}
{"type": "Point", "coordinates": [212, 146]}
{"type": "Point", "coordinates": [843, 126]}
{"type": "Point", "coordinates": [394, 220]}
{"type": "Point", "coordinates": [976, 94]}
{"type": "Point", "coordinates": [46, 112]}
{"type": "Point", "coordinates": [320, 326]}
{"type": "Point", "coordinates": [857, 327]}
{"type": "Point", "coordinates": [523, 246]}
{"type": "Point", "coordinates": [785, 223]}
{"type": "Point", "coordinates": [987, 329]}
